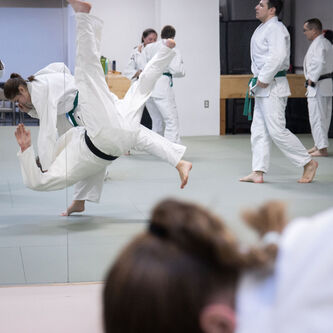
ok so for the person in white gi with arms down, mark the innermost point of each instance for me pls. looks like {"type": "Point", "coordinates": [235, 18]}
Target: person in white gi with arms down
{"type": "Point", "coordinates": [318, 72]}
{"type": "Point", "coordinates": [111, 126]}
{"type": "Point", "coordinates": [270, 52]}
{"type": "Point", "coordinates": [162, 104]}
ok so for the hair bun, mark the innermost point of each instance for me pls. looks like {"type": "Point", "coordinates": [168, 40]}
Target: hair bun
{"type": "Point", "coordinates": [15, 76]}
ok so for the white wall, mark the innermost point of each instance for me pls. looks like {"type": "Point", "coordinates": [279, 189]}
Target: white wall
{"type": "Point", "coordinates": [31, 38]}
{"type": "Point", "coordinates": [197, 25]}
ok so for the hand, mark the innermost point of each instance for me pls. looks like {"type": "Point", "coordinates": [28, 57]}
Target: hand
{"type": "Point", "coordinates": [170, 43]}
{"type": "Point", "coordinates": [262, 85]}
{"type": "Point", "coordinates": [137, 74]}
{"type": "Point", "coordinates": [23, 137]}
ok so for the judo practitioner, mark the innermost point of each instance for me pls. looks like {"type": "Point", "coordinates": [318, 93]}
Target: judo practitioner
{"type": "Point", "coordinates": [136, 64]}
{"type": "Point", "coordinates": [162, 104]}
{"type": "Point", "coordinates": [270, 51]}
{"type": "Point", "coordinates": [56, 85]}
{"type": "Point", "coordinates": [318, 72]}
{"type": "Point", "coordinates": [281, 285]}
{"type": "Point", "coordinates": [111, 126]}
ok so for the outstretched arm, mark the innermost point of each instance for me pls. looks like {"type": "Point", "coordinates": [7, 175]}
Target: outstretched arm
{"type": "Point", "coordinates": [23, 137]}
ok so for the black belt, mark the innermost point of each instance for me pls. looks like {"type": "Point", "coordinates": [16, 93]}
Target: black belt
{"type": "Point", "coordinates": [96, 151]}
{"type": "Point", "coordinates": [321, 77]}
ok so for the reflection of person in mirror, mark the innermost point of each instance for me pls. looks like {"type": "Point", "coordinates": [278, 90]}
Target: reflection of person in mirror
{"type": "Point", "coordinates": [270, 52]}
{"type": "Point", "coordinates": [189, 253]}
{"type": "Point", "coordinates": [111, 126]}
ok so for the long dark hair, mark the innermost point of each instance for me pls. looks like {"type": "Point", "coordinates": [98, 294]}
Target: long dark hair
{"type": "Point", "coordinates": [163, 279]}
{"type": "Point", "coordinates": [11, 87]}
{"type": "Point", "coordinates": [146, 33]}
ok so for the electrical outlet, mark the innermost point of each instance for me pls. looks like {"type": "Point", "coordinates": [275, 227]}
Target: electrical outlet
{"type": "Point", "coordinates": [206, 103]}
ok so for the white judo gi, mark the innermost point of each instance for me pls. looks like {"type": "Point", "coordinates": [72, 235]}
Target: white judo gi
{"type": "Point", "coordinates": [296, 296]}
{"type": "Point", "coordinates": [52, 94]}
{"type": "Point", "coordinates": [111, 124]}
{"type": "Point", "coordinates": [270, 51]}
{"type": "Point", "coordinates": [135, 63]}
{"type": "Point", "coordinates": [319, 61]}
{"type": "Point", "coordinates": [162, 104]}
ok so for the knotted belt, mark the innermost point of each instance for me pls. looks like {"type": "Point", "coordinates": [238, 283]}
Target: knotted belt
{"type": "Point", "coordinates": [170, 76]}
{"type": "Point", "coordinates": [321, 77]}
{"type": "Point", "coordinates": [248, 102]}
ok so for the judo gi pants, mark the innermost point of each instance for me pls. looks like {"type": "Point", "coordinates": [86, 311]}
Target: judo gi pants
{"type": "Point", "coordinates": [269, 124]}
{"type": "Point", "coordinates": [320, 113]}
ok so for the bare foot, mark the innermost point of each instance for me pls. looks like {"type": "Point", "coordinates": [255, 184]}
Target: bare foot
{"type": "Point", "coordinates": [184, 168]}
{"type": "Point", "coordinates": [80, 6]}
{"type": "Point", "coordinates": [309, 172]}
{"type": "Point", "coordinates": [320, 153]}
{"type": "Point", "coordinates": [170, 43]}
{"type": "Point", "coordinates": [312, 150]}
{"type": "Point", "coordinates": [77, 206]}
{"type": "Point", "coordinates": [254, 177]}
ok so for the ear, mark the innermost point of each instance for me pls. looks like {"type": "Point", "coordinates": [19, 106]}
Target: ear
{"type": "Point", "coordinates": [21, 89]}
{"type": "Point", "coordinates": [218, 318]}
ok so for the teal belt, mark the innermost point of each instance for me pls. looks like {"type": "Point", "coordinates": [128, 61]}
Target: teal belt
{"type": "Point", "coordinates": [170, 76]}
{"type": "Point", "coordinates": [248, 102]}
{"type": "Point", "coordinates": [70, 114]}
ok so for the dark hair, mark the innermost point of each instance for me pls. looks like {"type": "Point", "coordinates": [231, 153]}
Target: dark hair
{"type": "Point", "coordinates": [314, 23]}
{"type": "Point", "coordinates": [168, 32]}
{"type": "Point", "coordinates": [11, 87]}
{"type": "Point", "coordinates": [277, 4]}
{"type": "Point", "coordinates": [165, 276]}
{"type": "Point", "coordinates": [328, 34]}
{"type": "Point", "coordinates": [147, 32]}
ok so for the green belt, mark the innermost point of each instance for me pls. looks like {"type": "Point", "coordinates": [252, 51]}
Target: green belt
{"type": "Point", "coordinates": [70, 114]}
{"type": "Point", "coordinates": [248, 102]}
{"type": "Point", "coordinates": [170, 76]}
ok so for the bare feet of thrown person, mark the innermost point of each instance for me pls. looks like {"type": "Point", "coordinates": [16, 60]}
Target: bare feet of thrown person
{"type": "Point", "coordinates": [80, 6]}
{"type": "Point", "coordinates": [309, 172]}
{"type": "Point", "coordinates": [320, 153]}
{"type": "Point", "coordinates": [77, 206]}
{"type": "Point", "coordinates": [184, 168]}
{"type": "Point", "coordinates": [254, 177]}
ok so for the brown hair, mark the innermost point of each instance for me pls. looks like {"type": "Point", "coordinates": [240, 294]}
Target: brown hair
{"type": "Point", "coordinates": [147, 32]}
{"type": "Point", "coordinates": [168, 32]}
{"type": "Point", "coordinates": [314, 23]}
{"type": "Point", "coordinates": [165, 276]}
{"type": "Point", "coordinates": [11, 87]}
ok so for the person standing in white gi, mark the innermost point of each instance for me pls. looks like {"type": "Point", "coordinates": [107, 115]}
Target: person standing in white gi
{"type": "Point", "coordinates": [270, 52]}
{"type": "Point", "coordinates": [318, 72]}
{"type": "Point", "coordinates": [111, 125]}
{"type": "Point", "coordinates": [162, 104]}
{"type": "Point", "coordinates": [136, 64]}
